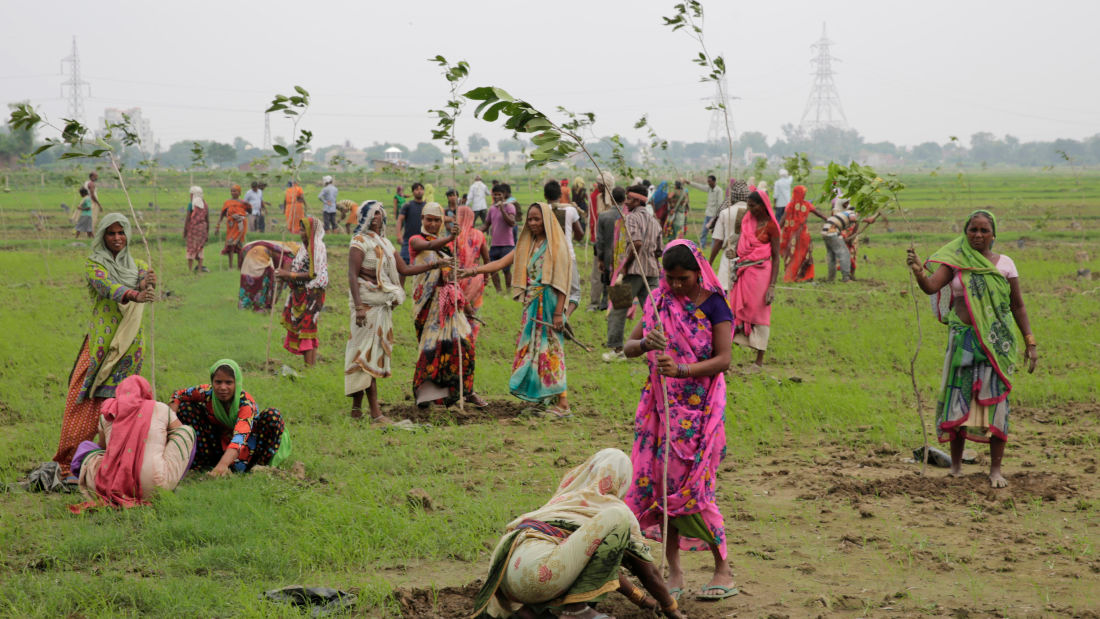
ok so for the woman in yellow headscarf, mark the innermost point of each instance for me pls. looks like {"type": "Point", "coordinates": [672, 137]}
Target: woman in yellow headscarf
{"type": "Point", "coordinates": [542, 283]}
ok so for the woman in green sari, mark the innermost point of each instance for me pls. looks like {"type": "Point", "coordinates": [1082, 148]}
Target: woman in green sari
{"type": "Point", "coordinates": [976, 291]}
{"type": "Point", "coordinates": [568, 553]}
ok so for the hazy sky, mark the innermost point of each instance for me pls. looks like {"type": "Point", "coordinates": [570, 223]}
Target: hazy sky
{"type": "Point", "coordinates": [909, 71]}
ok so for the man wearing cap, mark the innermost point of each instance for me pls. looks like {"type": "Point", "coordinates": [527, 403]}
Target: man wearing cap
{"type": "Point", "coordinates": [328, 203]}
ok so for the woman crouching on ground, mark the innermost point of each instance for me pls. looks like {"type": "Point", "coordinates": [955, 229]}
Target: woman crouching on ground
{"type": "Point", "coordinates": [691, 353]}
{"type": "Point", "coordinates": [231, 433]}
{"type": "Point", "coordinates": [374, 287]}
{"type": "Point", "coordinates": [568, 552]}
{"type": "Point", "coordinates": [976, 291]}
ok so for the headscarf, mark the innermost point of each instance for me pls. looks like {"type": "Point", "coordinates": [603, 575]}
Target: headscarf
{"type": "Point", "coordinates": [578, 183]}
{"type": "Point", "coordinates": [227, 416]}
{"type": "Point", "coordinates": [465, 219]}
{"type": "Point", "coordinates": [196, 198]}
{"type": "Point", "coordinates": [431, 208]}
{"type": "Point", "coordinates": [599, 483]}
{"type": "Point", "coordinates": [121, 267]}
{"type": "Point", "coordinates": [607, 179]}
{"type": "Point", "coordinates": [429, 193]}
{"type": "Point", "coordinates": [234, 186]}
{"type": "Point", "coordinates": [707, 278]}
{"type": "Point", "coordinates": [749, 247]}
{"type": "Point", "coordinates": [366, 216]}
{"type": "Point", "coordinates": [118, 480]}
{"type": "Point", "coordinates": [326, 179]}
{"type": "Point", "coordinates": [739, 192]}
{"type": "Point", "coordinates": [318, 255]}
{"type": "Point", "coordinates": [556, 267]}
{"type": "Point", "coordinates": [798, 196]}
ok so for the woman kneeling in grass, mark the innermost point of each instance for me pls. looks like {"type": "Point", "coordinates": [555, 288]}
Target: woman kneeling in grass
{"type": "Point", "coordinates": [568, 552]}
{"type": "Point", "coordinates": [230, 434]}
{"type": "Point", "coordinates": [977, 291]}
{"type": "Point", "coordinates": [691, 354]}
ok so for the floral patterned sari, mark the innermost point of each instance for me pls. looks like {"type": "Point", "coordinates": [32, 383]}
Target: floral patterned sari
{"type": "Point", "coordinates": [440, 325]}
{"type": "Point", "coordinates": [696, 409]}
{"type": "Point", "coordinates": [538, 370]}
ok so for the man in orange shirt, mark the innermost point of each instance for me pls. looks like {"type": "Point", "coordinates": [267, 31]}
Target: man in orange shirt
{"type": "Point", "coordinates": [294, 207]}
{"type": "Point", "coordinates": [236, 212]}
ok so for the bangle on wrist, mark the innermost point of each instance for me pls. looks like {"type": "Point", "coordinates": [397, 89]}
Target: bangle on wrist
{"type": "Point", "coordinates": [671, 607]}
{"type": "Point", "coordinates": [1030, 339]}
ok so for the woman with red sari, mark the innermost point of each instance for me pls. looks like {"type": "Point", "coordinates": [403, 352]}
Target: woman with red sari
{"type": "Point", "coordinates": [308, 278]}
{"type": "Point", "coordinates": [690, 353]}
{"type": "Point", "coordinates": [757, 268]}
{"type": "Point", "coordinates": [196, 229]}
{"type": "Point", "coordinates": [796, 245]}
{"type": "Point", "coordinates": [471, 248]}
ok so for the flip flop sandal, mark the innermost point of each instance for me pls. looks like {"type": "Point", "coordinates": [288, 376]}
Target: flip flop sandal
{"type": "Point", "coordinates": [557, 413]}
{"type": "Point", "coordinates": [676, 592]}
{"type": "Point", "coordinates": [724, 592]}
{"type": "Point", "coordinates": [533, 411]}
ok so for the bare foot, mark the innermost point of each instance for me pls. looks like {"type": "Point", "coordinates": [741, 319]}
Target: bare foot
{"type": "Point", "coordinates": [675, 581]}
{"type": "Point", "coordinates": [954, 472]}
{"type": "Point", "coordinates": [997, 480]}
{"type": "Point", "coordinates": [356, 412]}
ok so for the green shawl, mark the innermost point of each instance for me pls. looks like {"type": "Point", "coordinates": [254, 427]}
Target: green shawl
{"type": "Point", "coordinates": [228, 418]}
{"type": "Point", "coordinates": [988, 296]}
{"type": "Point", "coordinates": [121, 267]}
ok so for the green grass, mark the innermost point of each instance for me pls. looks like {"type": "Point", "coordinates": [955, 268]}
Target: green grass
{"type": "Point", "coordinates": [211, 547]}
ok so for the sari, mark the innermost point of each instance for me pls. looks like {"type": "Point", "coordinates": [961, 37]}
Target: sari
{"type": "Point", "coordinates": [236, 215]}
{"type": "Point", "coordinates": [569, 550]}
{"type": "Point", "coordinates": [796, 245]}
{"type": "Point", "coordinates": [198, 225]}
{"type": "Point", "coordinates": [980, 357]}
{"type": "Point", "coordinates": [696, 416]}
{"type": "Point", "coordinates": [295, 205]}
{"type": "Point", "coordinates": [539, 272]}
{"type": "Point", "coordinates": [114, 343]}
{"type": "Point", "coordinates": [258, 284]}
{"type": "Point", "coordinates": [304, 304]}
{"type": "Point", "coordinates": [752, 317]}
{"type": "Point", "coordinates": [441, 327]}
{"type": "Point", "coordinates": [369, 348]}
{"type": "Point", "coordinates": [470, 242]}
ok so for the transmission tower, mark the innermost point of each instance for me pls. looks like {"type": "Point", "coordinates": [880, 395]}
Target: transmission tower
{"type": "Point", "coordinates": [823, 107]}
{"type": "Point", "coordinates": [75, 85]}
{"type": "Point", "coordinates": [267, 131]}
{"type": "Point", "coordinates": [717, 130]}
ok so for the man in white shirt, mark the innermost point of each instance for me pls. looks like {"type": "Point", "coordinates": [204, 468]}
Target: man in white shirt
{"type": "Point", "coordinates": [571, 225]}
{"type": "Point", "coordinates": [782, 194]}
{"type": "Point", "coordinates": [328, 203]}
{"type": "Point", "coordinates": [714, 202]}
{"type": "Point", "coordinates": [255, 201]}
{"type": "Point", "coordinates": [476, 198]}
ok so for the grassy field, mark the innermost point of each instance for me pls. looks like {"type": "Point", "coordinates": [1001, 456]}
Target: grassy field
{"type": "Point", "coordinates": [823, 514]}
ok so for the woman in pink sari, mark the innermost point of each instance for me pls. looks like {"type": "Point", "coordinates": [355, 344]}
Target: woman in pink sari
{"type": "Point", "coordinates": [757, 267]}
{"type": "Point", "coordinates": [471, 248]}
{"type": "Point", "coordinates": [691, 354]}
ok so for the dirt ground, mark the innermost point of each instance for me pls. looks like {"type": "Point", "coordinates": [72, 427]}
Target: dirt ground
{"type": "Point", "coordinates": [837, 530]}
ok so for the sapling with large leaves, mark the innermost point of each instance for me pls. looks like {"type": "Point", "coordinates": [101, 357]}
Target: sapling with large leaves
{"type": "Point", "coordinates": [869, 194]}
{"type": "Point", "coordinates": [73, 136]}
{"type": "Point", "coordinates": [556, 142]}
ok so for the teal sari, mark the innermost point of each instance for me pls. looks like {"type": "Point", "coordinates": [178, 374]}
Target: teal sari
{"type": "Point", "coordinates": [538, 370]}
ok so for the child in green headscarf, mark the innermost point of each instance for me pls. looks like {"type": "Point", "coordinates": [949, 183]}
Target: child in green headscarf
{"type": "Point", "coordinates": [977, 294]}
{"type": "Point", "coordinates": [230, 434]}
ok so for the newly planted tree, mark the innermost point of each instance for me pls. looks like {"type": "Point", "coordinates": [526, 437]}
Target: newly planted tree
{"type": "Point", "coordinates": [455, 75]}
{"type": "Point", "coordinates": [689, 18]}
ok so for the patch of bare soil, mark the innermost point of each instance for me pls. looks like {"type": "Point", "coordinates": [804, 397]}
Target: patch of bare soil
{"type": "Point", "coordinates": [962, 490]}
{"type": "Point", "coordinates": [438, 415]}
{"type": "Point", "coordinates": [459, 602]}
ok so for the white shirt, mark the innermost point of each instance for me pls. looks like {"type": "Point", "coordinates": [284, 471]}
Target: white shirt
{"type": "Point", "coordinates": [714, 198]}
{"type": "Point", "coordinates": [725, 231]}
{"type": "Point", "coordinates": [476, 195]}
{"type": "Point", "coordinates": [783, 191]}
{"type": "Point", "coordinates": [571, 217]}
{"type": "Point", "coordinates": [255, 199]}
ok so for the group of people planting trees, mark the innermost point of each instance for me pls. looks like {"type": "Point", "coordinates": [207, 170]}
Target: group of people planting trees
{"type": "Point", "coordinates": [118, 444]}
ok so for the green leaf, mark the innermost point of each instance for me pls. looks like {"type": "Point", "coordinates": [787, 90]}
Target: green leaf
{"type": "Point", "coordinates": [279, 149]}
{"type": "Point", "coordinates": [494, 110]}
{"type": "Point", "coordinates": [502, 94]}
{"type": "Point", "coordinates": [302, 91]}
{"type": "Point", "coordinates": [483, 93]}
{"type": "Point", "coordinates": [546, 137]}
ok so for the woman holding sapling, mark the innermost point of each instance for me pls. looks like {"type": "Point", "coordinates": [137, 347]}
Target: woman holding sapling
{"type": "Point", "coordinates": [113, 348]}
{"type": "Point", "coordinates": [691, 354]}
{"type": "Point", "coordinates": [541, 282]}
{"type": "Point", "coordinates": [977, 294]}
{"type": "Point", "coordinates": [374, 289]}
{"type": "Point", "coordinates": [757, 268]}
